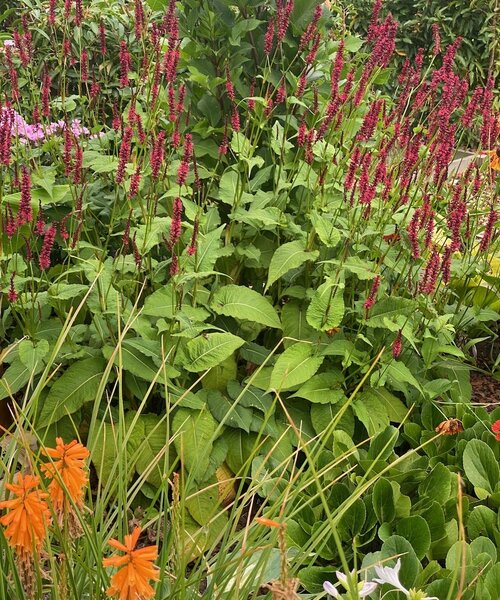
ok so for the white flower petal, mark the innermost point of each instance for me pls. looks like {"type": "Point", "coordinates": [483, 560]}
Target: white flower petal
{"type": "Point", "coordinates": [330, 589]}
{"type": "Point", "coordinates": [341, 577]}
{"type": "Point", "coordinates": [390, 575]}
{"type": "Point", "coordinates": [368, 588]}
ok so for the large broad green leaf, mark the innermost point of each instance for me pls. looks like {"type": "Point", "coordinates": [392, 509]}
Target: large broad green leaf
{"type": "Point", "coordinates": [417, 532]}
{"type": "Point", "coordinates": [30, 355]}
{"type": "Point", "coordinates": [397, 546]}
{"type": "Point", "coordinates": [241, 302]}
{"type": "Point", "coordinates": [395, 373]}
{"type": "Point", "coordinates": [383, 501]}
{"type": "Point", "coordinates": [149, 456]}
{"type": "Point", "coordinates": [371, 411]}
{"type": "Point", "coordinates": [481, 466]}
{"type": "Point", "coordinates": [193, 438]}
{"type": "Point", "coordinates": [162, 303]}
{"type": "Point", "coordinates": [288, 256]}
{"type": "Point", "coordinates": [227, 411]}
{"type": "Point", "coordinates": [296, 365]}
{"type": "Point", "coordinates": [391, 309]}
{"type": "Point", "coordinates": [323, 388]}
{"type": "Point", "coordinates": [203, 504]}
{"type": "Point", "coordinates": [77, 385]}
{"type": "Point", "coordinates": [437, 485]}
{"type": "Point", "coordinates": [228, 187]}
{"type": "Point", "coordinates": [209, 350]}
{"type": "Point", "coordinates": [327, 307]}
{"type": "Point", "coordinates": [295, 326]}
{"type": "Point", "coordinates": [325, 229]}
{"type": "Point", "coordinates": [60, 195]}
{"type": "Point", "coordinates": [15, 378]}
{"type": "Point", "coordinates": [105, 449]}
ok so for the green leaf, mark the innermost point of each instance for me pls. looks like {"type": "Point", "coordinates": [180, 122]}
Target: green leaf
{"type": "Point", "coordinates": [371, 411]}
{"type": "Point", "coordinates": [288, 256]}
{"type": "Point", "coordinates": [492, 581]}
{"type": "Point", "coordinates": [242, 302]}
{"type": "Point", "coordinates": [226, 411]}
{"type": "Point", "coordinates": [396, 373]}
{"type": "Point", "coordinates": [228, 187]}
{"type": "Point", "coordinates": [325, 229]}
{"type": "Point", "coordinates": [203, 504]}
{"type": "Point", "coordinates": [296, 365]}
{"type": "Point", "coordinates": [326, 310]}
{"type": "Point", "coordinates": [437, 485]}
{"type": "Point", "coordinates": [31, 356]}
{"type": "Point", "coordinates": [60, 195]}
{"type": "Point", "coordinates": [161, 303]}
{"type": "Point", "coordinates": [209, 350]}
{"type": "Point", "coordinates": [77, 385]}
{"type": "Point", "coordinates": [295, 326]}
{"type": "Point", "coordinates": [105, 449]}
{"type": "Point", "coordinates": [323, 388]}
{"type": "Point", "coordinates": [153, 442]}
{"type": "Point", "coordinates": [397, 546]}
{"type": "Point", "coordinates": [15, 378]}
{"type": "Point", "coordinates": [390, 308]}
{"type": "Point", "coordinates": [193, 439]}
{"type": "Point", "coordinates": [383, 501]}
{"type": "Point", "coordinates": [481, 466]}
{"type": "Point", "coordinates": [67, 291]}
{"type": "Point", "coordinates": [416, 531]}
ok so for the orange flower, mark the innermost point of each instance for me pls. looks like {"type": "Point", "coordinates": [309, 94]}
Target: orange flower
{"type": "Point", "coordinates": [268, 522]}
{"type": "Point", "coordinates": [67, 469]}
{"type": "Point", "coordinates": [28, 516]}
{"type": "Point", "coordinates": [131, 581]}
{"type": "Point", "coordinates": [495, 158]}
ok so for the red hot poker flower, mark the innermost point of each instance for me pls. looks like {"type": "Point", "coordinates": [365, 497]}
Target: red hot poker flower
{"type": "Point", "coordinates": [137, 568]}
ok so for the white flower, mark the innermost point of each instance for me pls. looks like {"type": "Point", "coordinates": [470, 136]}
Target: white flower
{"type": "Point", "coordinates": [390, 575]}
{"type": "Point", "coordinates": [364, 589]}
{"type": "Point", "coordinates": [9, 43]}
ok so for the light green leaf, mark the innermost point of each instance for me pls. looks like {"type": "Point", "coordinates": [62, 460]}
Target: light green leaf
{"type": "Point", "coordinates": [31, 356]}
{"type": "Point", "coordinates": [193, 439]}
{"type": "Point", "coordinates": [416, 531]}
{"type": "Point", "coordinates": [323, 388]}
{"type": "Point", "coordinates": [288, 256]}
{"type": "Point", "coordinates": [203, 504]}
{"type": "Point", "coordinates": [325, 229]}
{"type": "Point", "coordinates": [371, 411]}
{"type": "Point", "coordinates": [481, 466]}
{"type": "Point", "coordinates": [327, 307]}
{"type": "Point", "coordinates": [209, 350]}
{"type": "Point", "coordinates": [242, 302]}
{"type": "Point", "coordinates": [228, 187]}
{"type": "Point", "coordinates": [77, 385]}
{"type": "Point", "coordinates": [226, 411]}
{"type": "Point", "coordinates": [296, 365]}
{"type": "Point", "coordinates": [15, 378]}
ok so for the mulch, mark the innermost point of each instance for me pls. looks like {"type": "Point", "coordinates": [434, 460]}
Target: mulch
{"type": "Point", "coordinates": [485, 390]}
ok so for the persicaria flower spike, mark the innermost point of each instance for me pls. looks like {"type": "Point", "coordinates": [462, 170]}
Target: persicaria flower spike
{"type": "Point", "coordinates": [370, 301]}
{"type": "Point", "coordinates": [48, 243]}
{"type": "Point", "coordinates": [137, 568]}
{"type": "Point", "coordinates": [176, 225]}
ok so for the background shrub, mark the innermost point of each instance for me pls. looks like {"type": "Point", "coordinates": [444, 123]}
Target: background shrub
{"type": "Point", "coordinates": [473, 21]}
